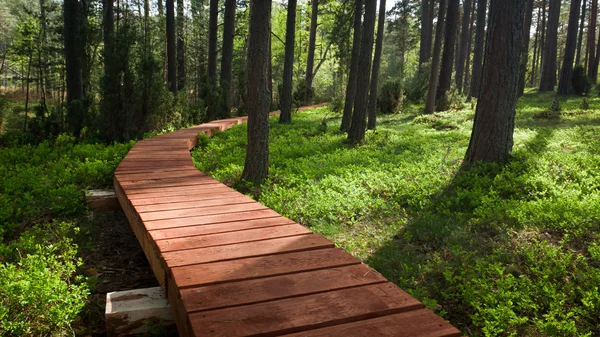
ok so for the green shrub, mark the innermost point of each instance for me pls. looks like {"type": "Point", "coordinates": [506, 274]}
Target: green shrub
{"type": "Point", "coordinates": [390, 97]}
{"type": "Point", "coordinates": [303, 94]}
{"type": "Point", "coordinates": [39, 294]}
{"type": "Point", "coordinates": [337, 104]}
{"type": "Point", "coordinates": [580, 81]}
{"type": "Point", "coordinates": [417, 85]}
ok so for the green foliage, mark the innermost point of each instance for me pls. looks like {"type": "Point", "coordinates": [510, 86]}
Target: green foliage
{"type": "Point", "coordinates": [45, 181]}
{"type": "Point", "coordinates": [303, 94]}
{"type": "Point", "coordinates": [39, 293]}
{"type": "Point", "coordinates": [416, 86]}
{"type": "Point", "coordinates": [508, 250]}
{"type": "Point", "coordinates": [41, 187]}
{"type": "Point", "coordinates": [390, 97]}
{"type": "Point", "coordinates": [580, 81]}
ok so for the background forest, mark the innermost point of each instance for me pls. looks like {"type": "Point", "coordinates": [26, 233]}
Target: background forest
{"type": "Point", "coordinates": [504, 248]}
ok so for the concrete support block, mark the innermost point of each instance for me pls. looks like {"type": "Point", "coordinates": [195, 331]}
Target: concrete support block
{"type": "Point", "coordinates": [134, 311]}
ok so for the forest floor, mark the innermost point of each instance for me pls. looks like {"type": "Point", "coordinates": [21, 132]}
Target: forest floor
{"type": "Point", "coordinates": [503, 249]}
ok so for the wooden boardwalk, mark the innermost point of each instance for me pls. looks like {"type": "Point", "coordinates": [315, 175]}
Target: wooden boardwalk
{"type": "Point", "coordinates": [233, 267]}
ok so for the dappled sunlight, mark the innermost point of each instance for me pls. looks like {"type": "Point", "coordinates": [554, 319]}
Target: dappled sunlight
{"type": "Point", "coordinates": [490, 248]}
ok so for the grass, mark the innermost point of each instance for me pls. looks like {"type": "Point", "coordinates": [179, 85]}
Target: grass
{"type": "Point", "coordinates": [507, 249]}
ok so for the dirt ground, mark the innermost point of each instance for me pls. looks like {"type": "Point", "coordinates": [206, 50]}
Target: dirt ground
{"type": "Point", "coordinates": [113, 261]}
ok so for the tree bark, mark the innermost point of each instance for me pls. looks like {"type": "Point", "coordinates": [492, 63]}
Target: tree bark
{"type": "Point", "coordinates": [464, 44]}
{"type": "Point", "coordinates": [591, 40]}
{"type": "Point", "coordinates": [543, 38]}
{"type": "Point", "coordinates": [227, 54]}
{"type": "Point", "coordinates": [372, 107]}
{"type": "Point", "coordinates": [288, 64]}
{"type": "Point", "coordinates": [564, 85]}
{"type": "Point", "coordinates": [492, 135]}
{"type": "Point", "coordinates": [73, 60]}
{"type": "Point", "coordinates": [357, 129]}
{"type": "Point", "coordinates": [310, 59]}
{"type": "Point", "coordinates": [525, 49]}
{"type": "Point", "coordinates": [447, 56]}
{"type": "Point", "coordinates": [180, 46]}
{"type": "Point", "coordinates": [212, 41]}
{"type": "Point", "coordinates": [256, 167]}
{"type": "Point", "coordinates": [580, 38]}
{"type": "Point", "coordinates": [548, 78]}
{"type": "Point", "coordinates": [535, 50]}
{"type": "Point", "coordinates": [426, 33]}
{"type": "Point", "coordinates": [435, 62]}
{"type": "Point", "coordinates": [467, 77]}
{"type": "Point", "coordinates": [352, 76]}
{"type": "Point", "coordinates": [479, 45]}
{"type": "Point", "coordinates": [171, 45]}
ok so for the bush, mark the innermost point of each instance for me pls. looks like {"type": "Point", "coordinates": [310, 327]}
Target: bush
{"type": "Point", "coordinates": [303, 93]}
{"type": "Point", "coordinates": [337, 104]}
{"type": "Point", "coordinates": [416, 86]}
{"type": "Point", "coordinates": [39, 294]}
{"type": "Point", "coordinates": [580, 81]}
{"type": "Point", "coordinates": [390, 97]}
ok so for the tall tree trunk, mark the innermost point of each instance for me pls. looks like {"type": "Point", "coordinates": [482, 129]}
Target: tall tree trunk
{"type": "Point", "coordinates": [492, 135]}
{"type": "Point", "coordinates": [372, 107]}
{"type": "Point", "coordinates": [227, 54]}
{"type": "Point", "coordinates": [479, 45]}
{"type": "Point", "coordinates": [591, 39]}
{"type": "Point", "coordinates": [171, 45]}
{"type": "Point", "coordinates": [564, 85]}
{"type": "Point", "coordinates": [464, 44]}
{"type": "Point", "coordinates": [580, 38]}
{"type": "Point", "coordinates": [352, 76]}
{"type": "Point", "coordinates": [548, 78]}
{"type": "Point", "coordinates": [73, 59]}
{"type": "Point", "coordinates": [357, 129]}
{"type": "Point", "coordinates": [288, 65]}
{"type": "Point", "coordinates": [426, 33]}
{"type": "Point", "coordinates": [543, 38]}
{"type": "Point", "coordinates": [535, 49]}
{"type": "Point", "coordinates": [447, 56]}
{"type": "Point", "coordinates": [467, 77]}
{"type": "Point", "coordinates": [212, 40]}
{"type": "Point", "coordinates": [73, 64]}
{"type": "Point", "coordinates": [28, 79]}
{"type": "Point", "coordinates": [435, 62]}
{"type": "Point", "coordinates": [525, 49]}
{"type": "Point", "coordinates": [310, 58]}
{"type": "Point", "coordinates": [594, 77]}
{"type": "Point", "coordinates": [180, 46]}
{"type": "Point", "coordinates": [256, 167]}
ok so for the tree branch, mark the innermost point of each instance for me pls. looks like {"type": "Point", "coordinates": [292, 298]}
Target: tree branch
{"type": "Point", "coordinates": [278, 38]}
{"type": "Point", "coordinates": [322, 59]}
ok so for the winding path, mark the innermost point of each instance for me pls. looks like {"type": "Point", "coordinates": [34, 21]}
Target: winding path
{"type": "Point", "coordinates": [233, 267]}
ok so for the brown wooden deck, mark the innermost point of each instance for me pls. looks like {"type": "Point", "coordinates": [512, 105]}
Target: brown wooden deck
{"type": "Point", "coordinates": [233, 267]}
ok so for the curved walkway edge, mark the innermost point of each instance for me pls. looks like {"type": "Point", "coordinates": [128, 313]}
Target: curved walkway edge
{"type": "Point", "coordinates": [233, 267]}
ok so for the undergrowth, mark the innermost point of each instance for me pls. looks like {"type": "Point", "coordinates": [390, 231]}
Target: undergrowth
{"type": "Point", "coordinates": [507, 249]}
{"type": "Point", "coordinates": [41, 206]}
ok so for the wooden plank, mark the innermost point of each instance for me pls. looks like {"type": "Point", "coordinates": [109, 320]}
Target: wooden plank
{"type": "Point", "coordinates": [304, 313]}
{"type": "Point", "coordinates": [210, 219]}
{"type": "Point", "coordinates": [176, 189]}
{"type": "Point", "coordinates": [200, 211]}
{"type": "Point", "coordinates": [198, 196]}
{"type": "Point", "coordinates": [213, 189]}
{"type": "Point", "coordinates": [232, 200]}
{"type": "Point", "coordinates": [226, 227]}
{"type": "Point", "coordinates": [250, 235]}
{"type": "Point", "coordinates": [417, 323]}
{"type": "Point", "coordinates": [277, 287]}
{"type": "Point", "coordinates": [258, 267]}
{"type": "Point", "coordinates": [148, 175]}
{"type": "Point", "coordinates": [168, 182]}
{"type": "Point", "coordinates": [247, 249]}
